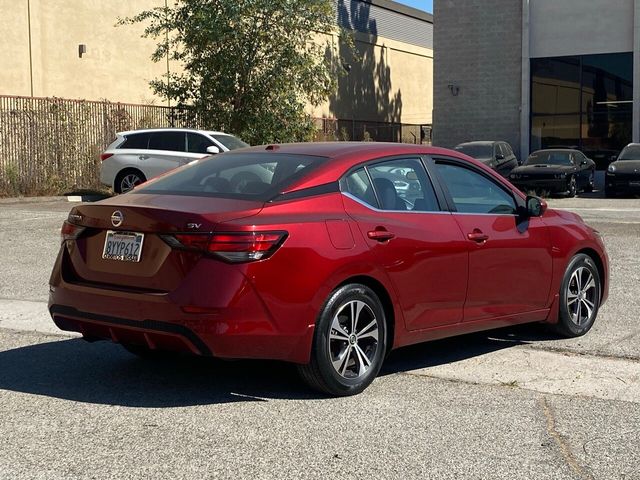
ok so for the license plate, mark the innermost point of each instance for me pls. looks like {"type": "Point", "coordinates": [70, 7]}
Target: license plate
{"type": "Point", "coordinates": [123, 246]}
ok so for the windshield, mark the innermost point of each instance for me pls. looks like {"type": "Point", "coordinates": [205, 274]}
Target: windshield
{"type": "Point", "coordinates": [229, 141]}
{"type": "Point", "coordinates": [247, 176]}
{"type": "Point", "coordinates": [630, 153]}
{"type": "Point", "coordinates": [549, 158]}
{"type": "Point", "coordinates": [476, 151]}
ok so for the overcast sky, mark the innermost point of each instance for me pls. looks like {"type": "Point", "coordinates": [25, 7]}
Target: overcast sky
{"type": "Point", "coordinates": [426, 5]}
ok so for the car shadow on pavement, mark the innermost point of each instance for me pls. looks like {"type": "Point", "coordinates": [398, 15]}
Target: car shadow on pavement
{"type": "Point", "coordinates": [455, 349]}
{"type": "Point", "coordinates": [104, 373]}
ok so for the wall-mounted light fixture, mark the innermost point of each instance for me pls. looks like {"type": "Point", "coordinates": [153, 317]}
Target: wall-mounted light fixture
{"type": "Point", "coordinates": [454, 89]}
{"type": "Point", "coordinates": [82, 48]}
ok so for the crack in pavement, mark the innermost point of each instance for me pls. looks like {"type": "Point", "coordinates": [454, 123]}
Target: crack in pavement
{"type": "Point", "coordinates": [561, 443]}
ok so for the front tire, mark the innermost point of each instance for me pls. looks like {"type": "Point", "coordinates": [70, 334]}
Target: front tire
{"type": "Point", "coordinates": [579, 297]}
{"type": "Point", "coordinates": [572, 187]}
{"type": "Point", "coordinates": [349, 342]}
{"type": "Point", "coordinates": [591, 183]}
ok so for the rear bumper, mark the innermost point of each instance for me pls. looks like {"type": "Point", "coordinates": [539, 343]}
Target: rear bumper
{"type": "Point", "coordinates": [225, 320]}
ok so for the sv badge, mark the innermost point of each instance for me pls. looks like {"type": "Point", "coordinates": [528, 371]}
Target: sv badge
{"type": "Point", "coordinates": [193, 226]}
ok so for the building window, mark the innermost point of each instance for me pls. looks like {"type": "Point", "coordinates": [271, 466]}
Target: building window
{"type": "Point", "coordinates": [582, 101]}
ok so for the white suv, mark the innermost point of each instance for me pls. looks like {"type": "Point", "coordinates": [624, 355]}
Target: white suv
{"type": "Point", "coordinates": [138, 155]}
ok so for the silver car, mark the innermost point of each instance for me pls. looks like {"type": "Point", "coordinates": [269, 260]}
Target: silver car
{"type": "Point", "coordinates": [139, 155]}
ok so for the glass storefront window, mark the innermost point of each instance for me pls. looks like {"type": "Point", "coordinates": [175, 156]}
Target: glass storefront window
{"type": "Point", "coordinates": [582, 101]}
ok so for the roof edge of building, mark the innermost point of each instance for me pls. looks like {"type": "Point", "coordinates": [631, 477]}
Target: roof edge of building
{"type": "Point", "coordinates": [402, 9]}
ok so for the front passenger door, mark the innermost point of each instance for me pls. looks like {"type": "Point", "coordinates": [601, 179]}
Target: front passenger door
{"type": "Point", "coordinates": [509, 259]}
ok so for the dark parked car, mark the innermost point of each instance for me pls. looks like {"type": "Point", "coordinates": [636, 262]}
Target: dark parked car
{"type": "Point", "coordinates": [623, 175]}
{"type": "Point", "coordinates": [496, 155]}
{"type": "Point", "coordinates": [561, 171]}
{"type": "Point", "coordinates": [324, 263]}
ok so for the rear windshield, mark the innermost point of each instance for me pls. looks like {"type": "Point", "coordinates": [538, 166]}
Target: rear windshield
{"type": "Point", "coordinates": [476, 151]}
{"type": "Point", "coordinates": [630, 153]}
{"type": "Point", "coordinates": [247, 176]}
{"type": "Point", "coordinates": [549, 158]}
{"type": "Point", "coordinates": [229, 141]}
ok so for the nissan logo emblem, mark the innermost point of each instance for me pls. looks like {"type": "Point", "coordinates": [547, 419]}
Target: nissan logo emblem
{"type": "Point", "coordinates": [117, 218]}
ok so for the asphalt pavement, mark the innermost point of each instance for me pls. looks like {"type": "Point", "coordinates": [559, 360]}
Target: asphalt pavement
{"type": "Point", "coordinates": [511, 403]}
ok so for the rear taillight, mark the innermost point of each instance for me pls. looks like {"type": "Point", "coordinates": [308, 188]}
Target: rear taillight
{"type": "Point", "coordinates": [104, 156]}
{"type": "Point", "coordinates": [69, 231]}
{"type": "Point", "coordinates": [230, 246]}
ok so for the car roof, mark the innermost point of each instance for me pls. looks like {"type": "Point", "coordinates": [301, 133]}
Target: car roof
{"type": "Point", "coordinates": [345, 155]}
{"type": "Point", "coordinates": [171, 129]}
{"type": "Point", "coordinates": [558, 150]}
{"type": "Point", "coordinates": [479, 142]}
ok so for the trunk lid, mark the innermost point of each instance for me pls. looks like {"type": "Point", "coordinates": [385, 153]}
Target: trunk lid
{"type": "Point", "coordinates": [160, 268]}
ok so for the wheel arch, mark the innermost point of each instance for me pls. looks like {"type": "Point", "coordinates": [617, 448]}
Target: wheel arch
{"type": "Point", "coordinates": [591, 253]}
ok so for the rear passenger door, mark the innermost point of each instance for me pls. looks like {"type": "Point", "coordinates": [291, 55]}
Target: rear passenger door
{"type": "Point", "coordinates": [419, 246]}
{"type": "Point", "coordinates": [167, 150]}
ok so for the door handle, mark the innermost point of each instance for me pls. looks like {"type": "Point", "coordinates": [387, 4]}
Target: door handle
{"type": "Point", "coordinates": [380, 235]}
{"type": "Point", "coordinates": [477, 236]}
{"type": "Point", "coordinates": [143, 157]}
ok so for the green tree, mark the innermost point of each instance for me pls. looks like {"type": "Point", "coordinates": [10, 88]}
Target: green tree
{"type": "Point", "coordinates": [250, 67]}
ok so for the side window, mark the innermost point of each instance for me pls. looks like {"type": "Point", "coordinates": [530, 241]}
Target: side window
{"type": "Point", "coordinates": [137, 141]}
{"type": "Point", "coordinates": [508, 149]}
{"type": "Point", "coordinates": [472, 192]}
{"type": "Point", "coordinates": [172, 141]}
{"type": "Point", "coordinates": [197, 143]}
{"type": "Point", "coordinates": [358, 185]}
{"type": "Point", "coordinates": [502, 149]}
{"type": "Point", "coordinates": [403, 185]}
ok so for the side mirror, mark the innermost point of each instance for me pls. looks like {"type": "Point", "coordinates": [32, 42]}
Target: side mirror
{"type": "Point", "coordinates": [499, 156]}
{"type": "Point", "coordinates": [535, 206]}
{"type": "Point", "coordinates": [411, 175]}
{"type": "Point", "coordinates": [213, 149]}
{"type": "Point", "coordinates": [613, 158]}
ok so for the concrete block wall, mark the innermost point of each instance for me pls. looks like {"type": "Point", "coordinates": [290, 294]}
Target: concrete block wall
{"type": "Point", "coordinates": [478, 49]}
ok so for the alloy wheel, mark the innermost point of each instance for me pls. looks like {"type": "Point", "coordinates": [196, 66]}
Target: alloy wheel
{"type": "Point", "coordinates": [353, 339]}
{"type": "Point", "coordinates": [129, 181]}
{"type": "Point", "coordinates": [581, 296]}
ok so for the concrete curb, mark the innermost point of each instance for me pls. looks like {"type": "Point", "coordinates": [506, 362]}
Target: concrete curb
{"type": "Point", "coordinates": [14, 200]}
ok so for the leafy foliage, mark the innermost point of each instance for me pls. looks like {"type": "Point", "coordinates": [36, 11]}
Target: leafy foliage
{"type": "Point", "coordinates": [250, 67]}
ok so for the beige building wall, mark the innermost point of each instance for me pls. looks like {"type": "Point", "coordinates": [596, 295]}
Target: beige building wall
{"type": "Point", "coordinates": [117, 63]}
{"type": "Point", "coordinates": [390, 81]}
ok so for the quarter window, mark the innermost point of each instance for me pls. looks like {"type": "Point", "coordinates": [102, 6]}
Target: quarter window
{"type": "Point", "coordinates": [358, 185]}
{"type": "Point", "coordinates": [472, 192]}
{"type": "Point", "coordinates": [137, 141]}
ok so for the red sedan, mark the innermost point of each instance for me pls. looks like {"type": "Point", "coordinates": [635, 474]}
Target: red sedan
{"type": "Point", "coordinates": [327, 255]}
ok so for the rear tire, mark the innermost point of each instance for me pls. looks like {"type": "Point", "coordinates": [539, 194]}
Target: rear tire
{"type": "Point", "coordinates": [349, 343]}
{"type": "Point", "coordinates": [579, 297]}
{"type": "Point", "coordinates": [127, 179]}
